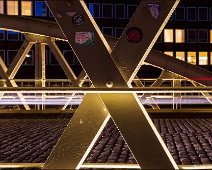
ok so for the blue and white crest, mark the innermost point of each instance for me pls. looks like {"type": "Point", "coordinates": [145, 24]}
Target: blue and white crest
{"type": "Point", "coordinates": [154, 9]}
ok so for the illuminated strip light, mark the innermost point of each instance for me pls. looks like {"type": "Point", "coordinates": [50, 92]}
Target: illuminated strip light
{"type": "Point", "coordinates": [177, 101]}
{"type": "Point", "coordinates": [78, 101]}
{"type": "Point", "coordinates": [143, 91]}
{"type": "Point", "coordinates": [136, 166]}
{"type": "Point", "coordinates": [82, 90]}
{"type": "Point", "coordinates": [21, 165]}
{"type": "Point", "coordinates": [99, 165]}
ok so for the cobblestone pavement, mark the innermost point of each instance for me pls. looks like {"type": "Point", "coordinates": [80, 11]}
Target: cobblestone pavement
{"type": "Point", "coordinates": [31, 140]}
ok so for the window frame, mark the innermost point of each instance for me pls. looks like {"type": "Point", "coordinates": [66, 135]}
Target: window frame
{"type": "Point", "coordinates": [73, 61]}
{"type": "Point", "coordinates": [164, 38]}
{"type": "Point", "coordinates": [3, 35]}
{"type": "Point", "coordinates": [13, 39]}
{"type": "Point", "coordinates": [195, 14]}
{"type": "Point", "coordinates": [3, 10]}
{"type": "Point", "coordinates": [203, 56]}
{"type": "Point", "coordinates": [33, 59]}
{"type": "Point", "coordinates": [16, 9]}
{"type": "Point", "coordinates": [210, 56]}
{"type": "Point", "coordinates": [36, 8]}
{"type": "Point", "coordinates": [194, 56]}
{"type": "Point", "coordinates": [210, 12]}
{"type": "Point", "coordinates": [124, 11]}
{"type": "Point", "coordinates": [180, 52]}
{"type": "Point", "coordinates": [127, 16]}
{"type": "Point", "coordinates": [31, 7]}
{"type": "Point", "coordinates": [50, 59]}
{"type": "Point", "coordinates": [199, 36]}
{"type": "Point", "coordinates": [99, 9]}
{"type": "Point", "coordinates": [183, 35]}
{"type": "Point", "coordinates": [199, 16]}
{"type": "Point", "coordinates": [103, 10]}
{"type": "Point", "coordinates": [116, 28]}
{"type": "Point", "coordinates": [187, 35]}
{"type": "Point", "coordinates": [9, 56]}
{"type": "Point", "coordinates": [107, 28]}
{"type": "Point", "coordinates": [182, 7]}
{"type": "Point", "coordinates": [4, 57]}
{"type": "Point", "coordinates": [166, 53]}
{"type": "Point", "coordinates": [32, 51]}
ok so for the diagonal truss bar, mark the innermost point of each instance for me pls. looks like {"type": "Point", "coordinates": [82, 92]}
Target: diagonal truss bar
{"type": "Point", "coordinates": [10, 73]}
{"type": "Point", "coordinates": [80, 80]}
{"type": "Point", "coordinates": [62, 61]}
{"type": "Point", "coordinates": [120, 53]}
{"type": "Point", "coordinates": [11, 83]}
{"type": "Point", "coordinates": [164, 74]}
{"type": "Point", "coordinates": [19, 58]}
{"type": "Point", "coordinates": [207, 95]}
{"type": "Point", "coordinates": [101, 75]}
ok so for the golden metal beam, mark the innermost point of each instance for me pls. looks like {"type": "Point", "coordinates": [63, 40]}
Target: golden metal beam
{"type": "Point", "coordinates": [105, 73]}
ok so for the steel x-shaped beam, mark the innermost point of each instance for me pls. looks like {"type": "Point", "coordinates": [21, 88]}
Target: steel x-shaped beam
{"type": "Point", "coordinates": [108, 68]}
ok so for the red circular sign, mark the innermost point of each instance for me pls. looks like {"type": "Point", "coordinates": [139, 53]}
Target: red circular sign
{"type": "Point", "coordinates": [134, 35]}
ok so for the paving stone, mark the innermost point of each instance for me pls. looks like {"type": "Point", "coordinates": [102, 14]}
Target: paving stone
{"type": "Point", "coordinates": [31, 140]}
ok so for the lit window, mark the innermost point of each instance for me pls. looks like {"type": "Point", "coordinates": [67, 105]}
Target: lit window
{"type": "Point", "coordinates": [203, 35]}
{"type": "Point", "coordinates": [191, 36]}
{"type": "Point", "coordinates": [130, 10]}
{"type": "Point", "coordinates": [191, 57]}
{"type": "Point", "coordinates": [210, 36]}
{"type": "Point", "coordinates": [107, 10]}
{"type": "Point", "coordinates": [40, 8]}
{"type": "Point", "coordinates": [118, 31]}
{"type": "Point", "coordinates": [180, 55]}
{"type": "Point", "coordinates": [170, 53]}
{"type": "Point", "coordinates": [107, 31]}
{"type": "Point", "coordinates": [13, 36]}
{"type": "Point", "coordinates": [94, 9]}
{"type": "Point", "coordinates": [68, 54]}
{"type": "Point", "coordinates": [180, 13]}
{"type": "Point", "coordinates": [191, 13]}
{"type": "Point", "coordinates": [179, 36]}
{"type": "Point", "coordinates": [203, 58]}
{"type": "Point", "coordinates": [210, 58]}
{"type": "Point", "coordinates": [26, 8]}
{"type": "Point", "coordinates": [203, 13]}
{"type": "Point", "coordinates": [12, 7]}
{"type": "Point", "coordinates": [168, 35]}
{"type": "Point", "coordinates": [2, 54]}
{"type": "Point", "coordinates": [120, 11]}
{"type": "Point", "coordinates": [1, 6]}
{"type": "Point", "coordinates": [2, 34]}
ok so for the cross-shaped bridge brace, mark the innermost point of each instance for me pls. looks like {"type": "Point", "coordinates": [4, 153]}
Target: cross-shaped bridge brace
{"type": "Point", "coordinates": [91, 115]}
{"type": "Point", "coordinates": [109, 68]}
